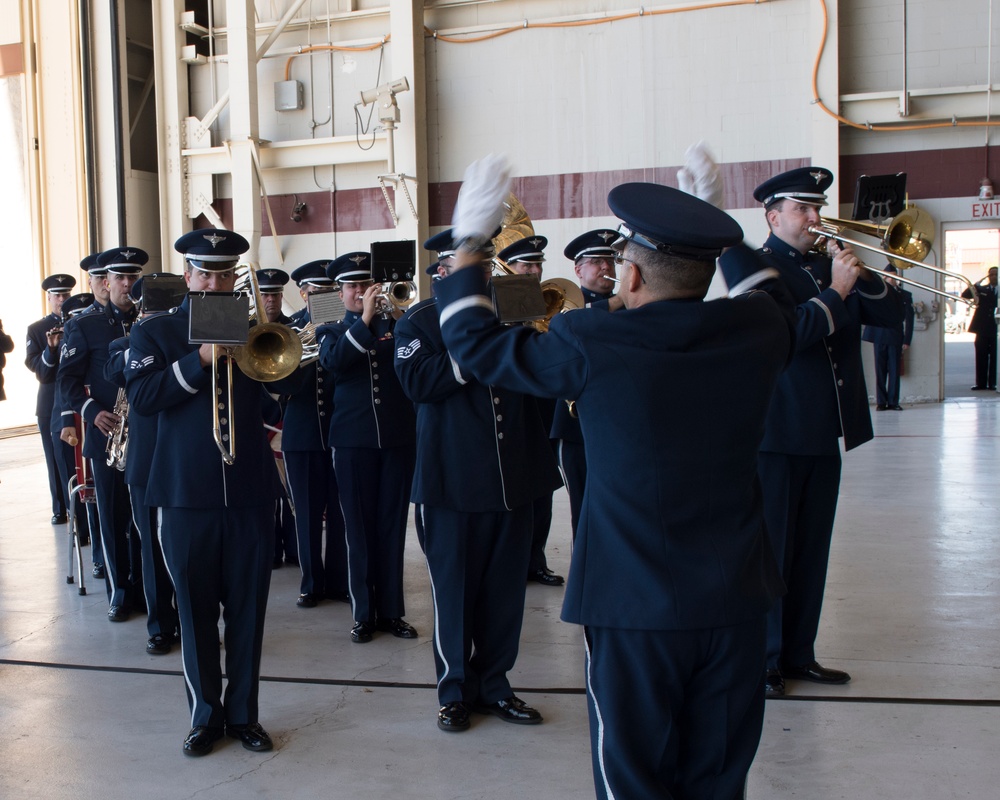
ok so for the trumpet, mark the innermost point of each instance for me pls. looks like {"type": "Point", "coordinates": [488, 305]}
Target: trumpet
{"type": "Point", "coordinates": [906, 242]}
{"type": "Point", "coordinates": [117, 444]}
{"type": "Point", "coordinates": [396, 294]}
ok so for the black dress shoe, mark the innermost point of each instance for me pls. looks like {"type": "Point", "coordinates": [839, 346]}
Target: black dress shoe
{"type": "Point", "coordinates": [118, 613]}
{"type": "Point", "coordinates": [398, 627]}
{"type": "Point", "coordinates": [159, 644]}
{"type": "Point", "coordinates": [546, 577]}
{"type": "Point", "coordinates": [896, 407]}
{"type": "Point", "coordinates": [815, 673]}
{"type": "Point", "coordinates": [362, 632]}
{"type": "Point", "coordinates": [978, 388]}
{"type": "Point", "coordinates": [253, 736]}
{"type": "Point", "coordinates": [201, 740]}
{"type": "Point", "coordinates": [512, 709]}
{"type": "Point", "coordinates": [340, 597]}
{"type": "Point", "coordinates": [881, 407]}
{"type": "Point", "coordinates": [306, 601]}
{"type": "Point", "coordinates": [58, 519]}
{"type": "Point", "coordinates": [454, 717]}
{"type": "Point", "coordinates": [98, 571]}
{"type": "Point", "coordinates": [774, 684]}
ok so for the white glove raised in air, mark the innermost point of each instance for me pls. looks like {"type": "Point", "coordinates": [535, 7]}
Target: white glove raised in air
{"type": "Point", "coordinates": [479, 209]}
{"type": "Point", "coordinates": [701, 176]}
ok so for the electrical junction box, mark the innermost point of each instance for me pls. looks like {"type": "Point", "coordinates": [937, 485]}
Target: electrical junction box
{"type": "Point", "coordinates": [288, 96]}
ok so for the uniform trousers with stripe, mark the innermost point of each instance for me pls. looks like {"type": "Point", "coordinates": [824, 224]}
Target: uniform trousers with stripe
{"type": "Point", "coordinates": [375, 498]}
{"type": "Point", "coordinates": [477, 563]}
{"type": "Point", "coordinates": [312, 483]}
{"type": "Point", "coordinates": [57, 489]}
{"type": "Point", "coordinates": [122, 554]}
{"type": "Point", "coordinates": [161, 616]}
{"type": "Point", "coordinates": [800, 503]}
{"type": "Point", "coordinates": [675, 714]}
{"type": "Point", "coordinates": [220, 557]}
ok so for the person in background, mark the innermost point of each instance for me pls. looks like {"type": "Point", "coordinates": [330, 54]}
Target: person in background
{"type": "Point", "coordinates": [889, 346]}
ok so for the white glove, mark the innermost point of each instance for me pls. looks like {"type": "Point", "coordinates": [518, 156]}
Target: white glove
{"type": "Point", "coordinates": [701, 176]}
{"type": "Point", "coordinates": [479, 209]}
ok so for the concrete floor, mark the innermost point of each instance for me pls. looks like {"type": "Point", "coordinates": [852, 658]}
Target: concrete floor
{"type": "Point", "coordinates": [912, 610]}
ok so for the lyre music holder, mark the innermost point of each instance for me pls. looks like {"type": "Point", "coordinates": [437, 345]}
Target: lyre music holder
{"type": "Point", "coordinates": [878, 198]}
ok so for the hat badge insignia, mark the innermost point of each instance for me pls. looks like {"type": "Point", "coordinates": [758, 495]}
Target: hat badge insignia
{"type": "Point", "coordinates": [358, 260]}
{"type": "Point", "coordinates": [817, 176]}
{"type": "Point", "coordinates": [127, 254]}
{"type": "Point", "coordinates": [62, 279]}
{"type": "Point", "coordinates": [607, 236]}
{"type": "Point", "coordinates": [536, 242]}
{"type": "Point", "coordinates": [214, 239]}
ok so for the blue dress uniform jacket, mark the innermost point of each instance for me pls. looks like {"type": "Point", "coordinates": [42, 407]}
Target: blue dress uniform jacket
{"type": "Point", "coordinates": [164, 376]}
{"type": "Point", "coordinates": [822, 395]}
{"type": "Point", "coordinates": [687, 550]}
{"type": "Point", "coordinates": [479, 447]}
{"type": "Point", "coordinates": [43, 363]}
{"type": "Point", "coordinates": [370, 409]}
{"type": "Point", "coordinates": [82, 358]}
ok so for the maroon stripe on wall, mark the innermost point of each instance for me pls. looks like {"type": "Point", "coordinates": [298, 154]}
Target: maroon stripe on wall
{"type": "Point", "coordinates": [573, 195]}
{"type": "Point", "coordinates": [929, 173]}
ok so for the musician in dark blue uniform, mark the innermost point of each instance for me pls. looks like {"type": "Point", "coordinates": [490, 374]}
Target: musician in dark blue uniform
{"type": "Point", "coordinates": [308, 457]}
{"type": "Point", "coordinates": [64, 444]}
{"type": "Point", "coordinates": [216, 518]}
{"type": "Point", "coordinates": [271, 283]}
{"type": "Point", "coordinates": [372, 432]}
{"type": "Point", "coordinates": [41, 356]}
{"type": "Point", "coordinates": [594, 263]}
{"type": "Point", "coordinates": [483, 458]}
{"type": "Point", "coordinates": [889, 346]}
{"type": "Point", "coordinates": [526, 257]}
{"type": "Point", "coordinates": [984, 325]}
{"type": "Point", "coordinates": [671, 572]}
{"type": "Point", "coordinates": [83, 387]}
{"type": "Point", "coordinates": [820, 398]}
{"type": "Point", "coordinates": [161, 617]}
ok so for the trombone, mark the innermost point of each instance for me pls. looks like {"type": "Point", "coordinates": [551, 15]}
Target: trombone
{"type": "Point", "coordinates": [272, 351]}
{"type": "Point", "coordinates": [906, 241]}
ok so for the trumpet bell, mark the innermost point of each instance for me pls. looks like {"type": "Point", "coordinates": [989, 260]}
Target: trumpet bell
{"type": "Point", "coordinates": [273, 351]}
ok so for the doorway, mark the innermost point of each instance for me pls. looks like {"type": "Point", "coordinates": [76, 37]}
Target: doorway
{"type": "Point", "coordinates": [970, 252]}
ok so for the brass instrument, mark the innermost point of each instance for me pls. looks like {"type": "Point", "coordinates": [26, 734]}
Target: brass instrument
{"type": "Point", "coordinates": [906, 241]}
{"type": "Point", "coordinates": [559, 294]}
{"type": "Point", "coordinates": [117, 445]}
{"type": "Point", "coordinates": [272, 351]}
{"type": "Point", "coordinates": [396, 294]}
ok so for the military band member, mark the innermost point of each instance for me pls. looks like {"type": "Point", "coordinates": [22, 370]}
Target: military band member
{"type": "Point", "coordinates": [483, 458]}
{"type": "Point", "coordinates": [41, 356]}
{"type": "Point", "coordinates": [671, 573]}
{"type": "Point", "coordinates": [526, 257]}
{"type": "Point", "coordinates": [65, 450]}
{"type": "Point", "coordinates": [161, 617]}
{"type": "Point", "coordinates": [372, 432]}
{"type": "Point", "coordinates": [819, 399]}
{"type": "Point", "coordinates": [271, 283]}
{"type": "Point", "coordinates": [85, 390]}
{"type": "Point", "coordinates": [594, 263]}
{"type": "Point", "coordinates": [216, 519]}
{"type": "Point", "coordinates": [308, 457]}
